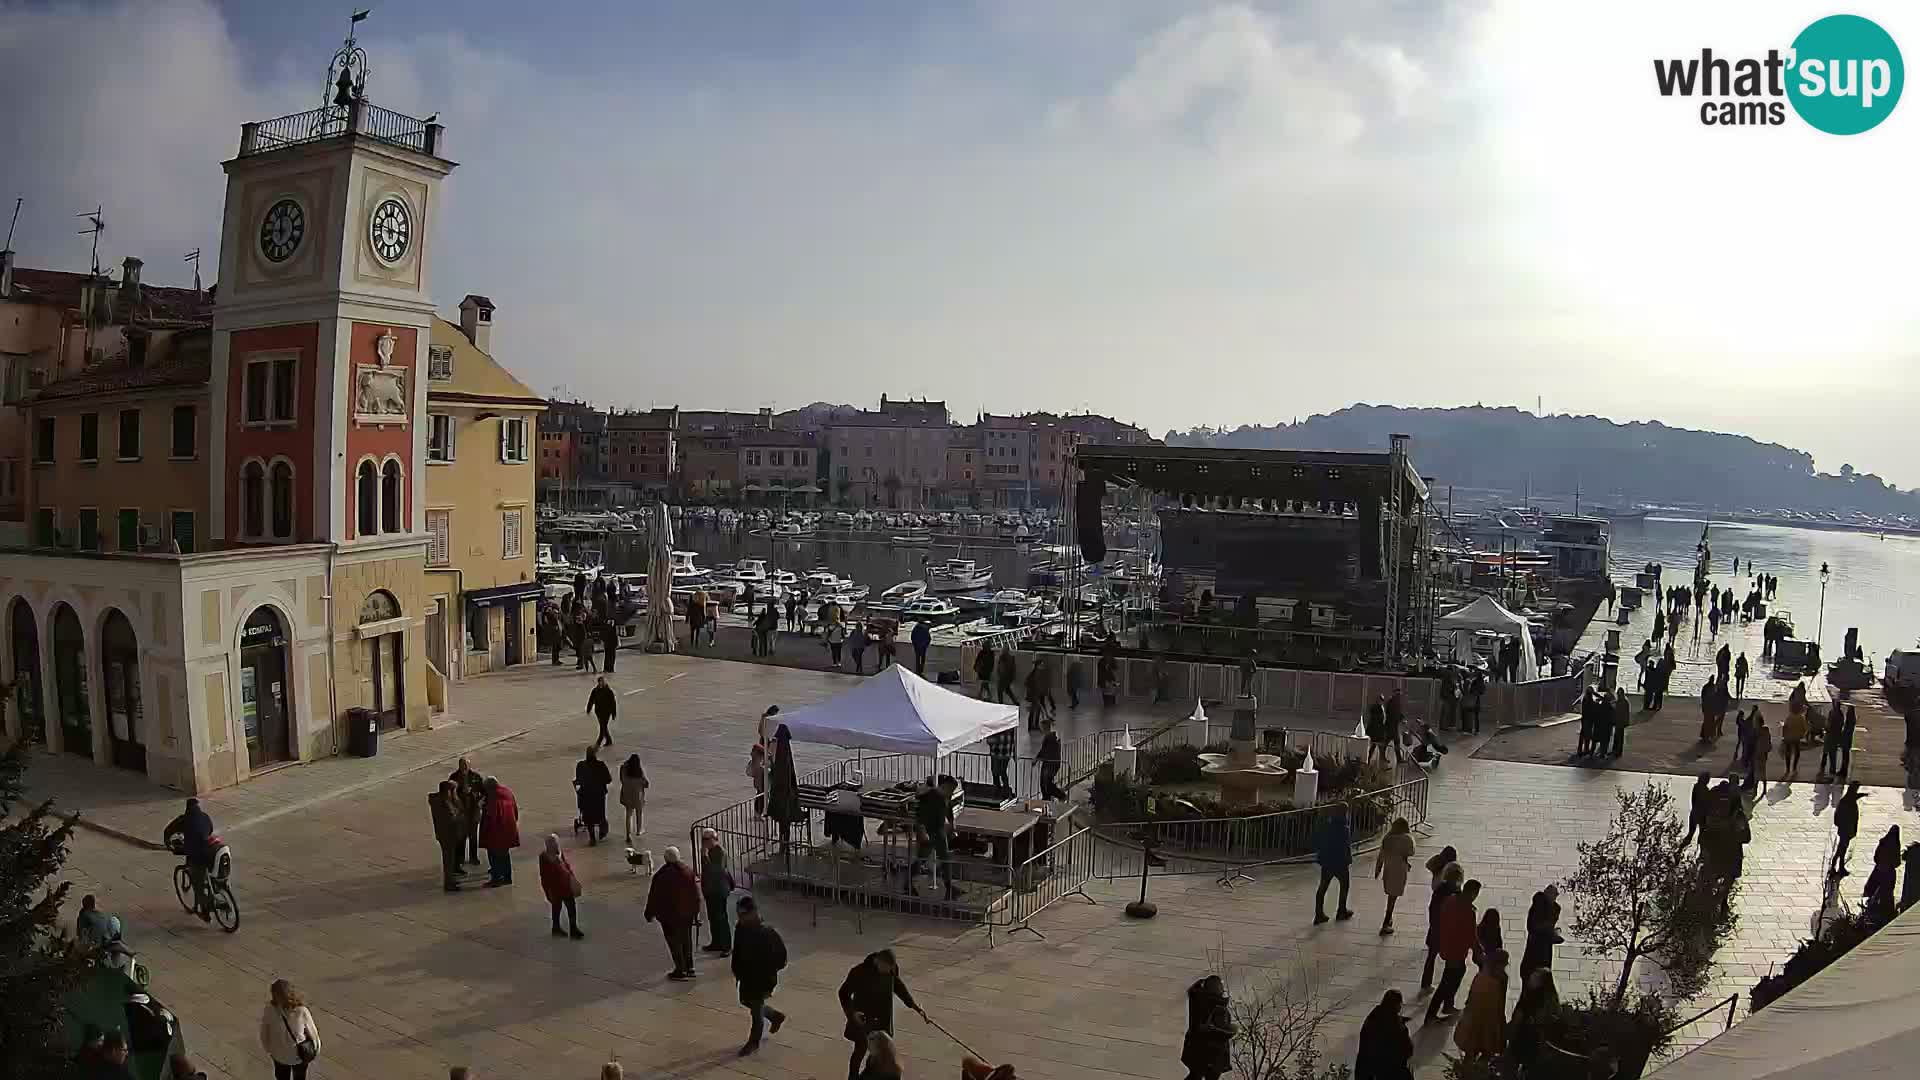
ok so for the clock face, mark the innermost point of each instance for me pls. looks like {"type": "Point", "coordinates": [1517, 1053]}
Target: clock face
{"type": "Point", "coordinates": [390, 230]}
{"type": "Point", "coordinates": [282, 229]}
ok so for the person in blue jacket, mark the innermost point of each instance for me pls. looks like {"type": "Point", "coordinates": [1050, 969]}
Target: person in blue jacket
{"type": "Point", "coordinates": [1333, 850]}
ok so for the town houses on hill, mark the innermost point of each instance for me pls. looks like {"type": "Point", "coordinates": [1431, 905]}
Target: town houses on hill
{"type": "Point", "coordinates": [907, 454]}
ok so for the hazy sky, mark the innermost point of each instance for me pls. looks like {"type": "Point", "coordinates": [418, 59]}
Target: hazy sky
{"type": "Point", "coordinates": [1174, 212]}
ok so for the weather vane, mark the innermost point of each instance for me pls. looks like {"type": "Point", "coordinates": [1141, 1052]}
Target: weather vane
{"type": "Point", "coordinates": [347, 74]}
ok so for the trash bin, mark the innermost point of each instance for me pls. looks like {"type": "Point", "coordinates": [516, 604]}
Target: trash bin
{"type": "Point", "coordinates": [363, 733]}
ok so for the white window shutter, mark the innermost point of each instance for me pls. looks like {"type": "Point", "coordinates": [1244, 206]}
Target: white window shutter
{"type": "Point", "coordinates": [510, 534]}
{"type": "Point", "coordinates": [504, 425]}
{"type": "Point", "coordinates": [439, 526]}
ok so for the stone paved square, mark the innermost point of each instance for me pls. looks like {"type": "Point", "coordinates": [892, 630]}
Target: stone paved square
{"type": "Point", "coordinates": [340, 894]}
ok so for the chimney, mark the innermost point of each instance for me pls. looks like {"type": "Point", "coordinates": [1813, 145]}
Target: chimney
{"type": "Point", "coordinates": [476, 321]}
{"type": "Point", "coordinates": [130, 284]}
{"type": "Point", "coordinates": [6, 273]}
{"type": "Point", "coordinates": [766, 418]}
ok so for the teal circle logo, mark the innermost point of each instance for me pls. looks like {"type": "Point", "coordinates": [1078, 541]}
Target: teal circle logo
{"type": "Point", "coordinates": [1846, 75]}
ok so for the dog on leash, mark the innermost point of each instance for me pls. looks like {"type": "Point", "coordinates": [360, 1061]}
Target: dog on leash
{"type": "Point", "coordinates": [639, 862]}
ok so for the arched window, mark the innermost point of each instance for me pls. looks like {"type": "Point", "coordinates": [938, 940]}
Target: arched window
{"type": "Point", "coordinates": [253, 500]}
{"type": "Point", "coordinates": [367, 521]}
{"type": "Point", "coordinates": [390, 497]}
{"type": "Point", "coordinates": [282, 492]}
{"type": "Point", "coordinates": [379, 607]}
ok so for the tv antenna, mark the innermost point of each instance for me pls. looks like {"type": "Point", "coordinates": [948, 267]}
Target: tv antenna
{"type": "Point", "coordinates": [96, 225]}
{"type": "Point", "coordinates": [194, 258]}
{"type": "Point", "coordinates": [16, 220]}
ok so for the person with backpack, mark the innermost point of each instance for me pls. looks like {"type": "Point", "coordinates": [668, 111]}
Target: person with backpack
{"type": "Point", "coordinates": [758, 957]}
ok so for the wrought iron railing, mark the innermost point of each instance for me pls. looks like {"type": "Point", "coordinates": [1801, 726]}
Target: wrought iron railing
{"type": "Point", "coordinates": [334, 121]}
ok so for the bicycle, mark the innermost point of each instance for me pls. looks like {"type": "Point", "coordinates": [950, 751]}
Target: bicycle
{"type": "Point", "coordinates": [222, 908]}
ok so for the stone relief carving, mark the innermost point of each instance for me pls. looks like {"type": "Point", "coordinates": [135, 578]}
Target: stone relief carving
{"type": "Point", "coordinates": [380, 390]}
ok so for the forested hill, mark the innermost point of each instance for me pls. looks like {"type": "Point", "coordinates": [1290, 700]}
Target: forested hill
{"type": "Point", "coordinates": [1479, 447]}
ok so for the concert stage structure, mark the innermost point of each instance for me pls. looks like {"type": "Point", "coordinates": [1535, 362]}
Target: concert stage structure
{"type": "Point", "coordinates": [1326, 545]}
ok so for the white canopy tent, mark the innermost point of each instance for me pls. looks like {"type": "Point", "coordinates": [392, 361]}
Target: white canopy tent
{"type": "Point", "coordinates": [1852, 1021]}
{"type": "Point", "coordinates": [1486, 613]}
{"type": "Point", "coordinates": [899, 712]}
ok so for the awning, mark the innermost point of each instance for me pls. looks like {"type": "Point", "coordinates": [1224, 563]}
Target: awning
{"type": "Point", "coordinates": [808, 490]}
{"type": "Point", "coordinates": [501, 594]}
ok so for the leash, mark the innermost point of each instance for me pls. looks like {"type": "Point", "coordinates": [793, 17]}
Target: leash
{"type": "Point", "coordinates": [951, 1035]}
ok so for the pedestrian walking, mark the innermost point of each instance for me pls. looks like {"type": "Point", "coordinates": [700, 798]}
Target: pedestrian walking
{"type": "Point", "coordinates": [1206, 1050]}
{"type": "Point", "coordinates": [1000, 747]}
{"type": "Point", "coordinates": [1699, 806]}
{"type": "Point", "coordinates": [633, 797]}
{"type": "Point", "coordinates": [1456, 940]}
{"type": "Point", "coordinates": [609, 641]}
{"type": "Point", "coordinates": [857, 644]}
{"type": "Point", "coordinates": [922, 639]}
{"type": "Point", "coordinates": [1740, 672]}
{"type": "Point", "coordinates": [883, 645]}
{"type": "Point", "coordinates": [1376, 728]}
{"type": "Point", "coordinates": [287, 1032]}
{"type": "Point", "coordinates": [1487, 936]}
{"type": "Point", "coordinates": [793, 611]}
{"type": "Point", "coordinates": [1333, 850]}
{"type": "Point", "coordinates": [1539, 1001]}
{"type": "Point", "coordinates": [836, 636]}
{"type": "Point", "coordinates": [1602, 723]}
{"type": "Point", "coordinates": [1846, 824]}
{"type": "Point", "coordinates": [1391, 867]}
{"type": "Point", "coordinates": [1877, 898]}
{"type": "Point", "coordinates": [759, 955]}
{"type": "Point", "coordinates": [562, 888]}
{"type": "Point", "coordinates": [933, 816]}
{"type": "Point", "coordinates": [603, 705]}
{"type": "Point", "coordinates": [1910, 876]}
{"type": "Point", "coordinates": [1707, 702]}
{"type": "Point", "coordinates": [582, 653]}
{"type": "Point", "coordinates": [590, 783]}
{"type": "Point", "coordinates": [866, 997]}
{"type": "Point", "coordinates": [1845, 751]}
{"type": "Point", "coordinates": [673, 900]}
{"type": "Point", "coordinates": [499, 832]}
{"type": "Point", "coordinates": [1543, 931]}
{"type": "Point", "coordinates": [1037, 693]}
{"type": "Point", "coordinates": [553, 629]}
{"type": "Point", "coordinates": [473, 800]}
{"type": "Point", "coordinates": [696, 618]}
{"type": "Point", "coordinates": [1386, 1048]}
{"type": "Point", "coordinates": [983, 670]}
{"type": "Point", "coordinates": [1482, 1031]}
{"type": "Point", "coordinates": [449, 832]}
{"type": "Point", "coordinates": [1759, 749]}
{"type": "Point", "coordinates": [1451, 878]}
{"type": "Point", "coordinates": [1107, 674]}
{"type": "Point", "coordinates": [765, 626]}
{"type": "Point", "coordinates": [716, 884]}
{"type": "Point", "coordinates": [757, 772]}
{"type": "Point", "coordinates": [1793, 734]}
{"type": "Point", "coordinates": [1049, 757]}
{"type": "Point", "coordinates": [1005, 669]}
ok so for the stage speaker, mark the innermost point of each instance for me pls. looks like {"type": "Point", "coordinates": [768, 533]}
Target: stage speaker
{"type": "Point", "coordinates": [1086, 510]}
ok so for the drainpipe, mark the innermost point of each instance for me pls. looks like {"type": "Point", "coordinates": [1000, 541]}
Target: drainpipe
{"type": "Point", "coordinates": [333, 668]}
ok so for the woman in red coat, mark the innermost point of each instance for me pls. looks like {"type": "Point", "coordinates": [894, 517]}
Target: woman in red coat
{"type": "Point", "coordinates": [562, 887]}
{"type": "Point", "coordinates": [499, 832]}
{"type": "Point", "coordinates": [674, 899]}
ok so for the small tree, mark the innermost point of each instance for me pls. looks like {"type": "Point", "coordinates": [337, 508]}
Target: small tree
{"type": "Point", "coordinates": [1278, 1034]}
{"type": "Point", "coordinates": [39, 965]}
{"type": "Point", "coordinates": [1638, 892]}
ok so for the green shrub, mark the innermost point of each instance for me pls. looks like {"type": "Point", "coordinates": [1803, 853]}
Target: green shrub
{"type": "Point", "coordinates": [1635, 1034]}
{"type": "Point", "coordinates": [1838, 938]}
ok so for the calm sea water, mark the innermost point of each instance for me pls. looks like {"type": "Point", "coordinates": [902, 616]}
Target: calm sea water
{"type": "Point", "coordinates": [1875, 583]}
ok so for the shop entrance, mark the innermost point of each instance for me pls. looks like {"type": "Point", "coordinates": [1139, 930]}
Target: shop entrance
{"type": "Point", "coordinates": [266, 705]}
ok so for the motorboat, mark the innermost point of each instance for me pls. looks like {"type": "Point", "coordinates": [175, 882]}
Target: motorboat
{"type": "Point", "coordinates": [843, 520]}
{"type": "Point", "coordinates": [1009, 598]}
{"type": "Point", "coordinates": [751, 572]}
{"type": "Point", "coordinates": [863, 520]}
{"type": "Point", "coordinates": [961, 575]}
{"type": "Point", "coordinates": [784, 578]}
{"type": "Point", "coordinates": [823, 580]}
{"type": "Point", "coordinates": [792, 530]}
{"type": "Point", "coordinates": [1022, 534]}
{"type": "Point", "coordinates": [904, 593]}
{"type": "Point", "coordinates": [913, 537]}
{"type": "Point", "coordinates": [680, 564]}
{"type": "Point", "coordinates": [548, 564]}
{"type": "Point", "coordinates": [930, 607]}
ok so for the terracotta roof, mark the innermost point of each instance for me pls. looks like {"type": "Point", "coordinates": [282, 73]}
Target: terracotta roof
{"type": "Point", "coordinates": [160, 303]}
{"type": "Point", "coordinates": [766, 437]}
{"type": "Point", "coordinates": [192, 369]}
{"type": "Point", "coordinates": [478, 299]}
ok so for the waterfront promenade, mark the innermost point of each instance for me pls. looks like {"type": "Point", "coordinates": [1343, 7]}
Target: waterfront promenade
{"type": "Point", "coordinates": [337, 875]}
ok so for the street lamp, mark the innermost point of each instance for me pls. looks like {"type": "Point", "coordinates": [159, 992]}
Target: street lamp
{"type": "Point", "coordinates": [1820, 627]}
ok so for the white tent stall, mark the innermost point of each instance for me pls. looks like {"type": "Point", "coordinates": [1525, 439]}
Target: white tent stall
{"type": "Point", "coordinates": [1486, 613]}
{"type": "Point", "coordinates": [899, 712]}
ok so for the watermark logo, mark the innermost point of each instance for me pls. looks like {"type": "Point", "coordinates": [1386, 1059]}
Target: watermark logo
{"type": "Point", "coordinates": [1843, 75]}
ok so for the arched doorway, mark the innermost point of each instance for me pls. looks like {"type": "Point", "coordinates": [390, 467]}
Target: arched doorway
{"type": "Point", "coordinates": [120, 666]}
{"type": "Point", "coordinates": [25, 630]}
{"type": "Point", "coordinates": [387, 662]}
{"type": "Point", "coordinates": [70, 682]}
{"type": "Point", "coordinates": [266, 704]}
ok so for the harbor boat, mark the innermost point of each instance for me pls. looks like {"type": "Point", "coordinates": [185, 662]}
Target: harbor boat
{"type": "Point", "coordinates": [681, 565]}
{"type": "Point", "coordinates": [1022, 534]}
{"type": "Point", "coordinates": [792, 530]}
{"type": "Point", "coordinates": [930, 607]}
{"type": "Point", "coordinates": [784, 578]}
{"type": "Point", "coordinates": [750, 572]}
{"type": "Point", "coordinates": [903, 594]}
{"type": "Point", "coordinates": [863, 520]}
{"type": "Point", "coordinates": [843, 519]}
{"type": "Point", "coordinates": [913, 538]}
{"type": "Point", "coordinates": [1010, 598]}
{"type": "Point", "coordinates": [961, 575]}
{"type": "Point", "coordinates": [546, 563]}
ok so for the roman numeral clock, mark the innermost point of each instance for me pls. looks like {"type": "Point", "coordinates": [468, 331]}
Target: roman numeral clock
{"type": "Point", "coordinates": [390, 230]}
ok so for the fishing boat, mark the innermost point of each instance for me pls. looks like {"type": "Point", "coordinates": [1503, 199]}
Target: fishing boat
{"type": "Point", "coordinates": [930, 607]}
{"type": "Point", "coordinates": [961, 575]}
{"type": "Point", "coordinates": [913, 538]}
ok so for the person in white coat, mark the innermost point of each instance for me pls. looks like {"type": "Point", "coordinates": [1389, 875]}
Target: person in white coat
{"type": "Point", "coordinates": [285, 1025]}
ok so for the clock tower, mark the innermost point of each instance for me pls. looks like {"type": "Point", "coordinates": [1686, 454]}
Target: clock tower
{"type": "Point", "coordinates": [319, 357]}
